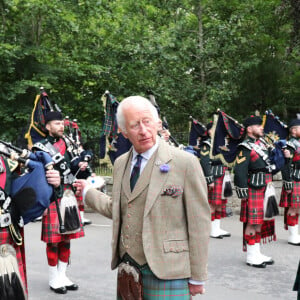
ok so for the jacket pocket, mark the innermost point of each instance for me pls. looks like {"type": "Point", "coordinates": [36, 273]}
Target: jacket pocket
{"type": "Point", "coordinates": [176, 246]}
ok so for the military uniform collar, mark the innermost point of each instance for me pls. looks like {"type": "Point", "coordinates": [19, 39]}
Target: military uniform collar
{"type": "Point", "coordinates": [251, 139]}
{"type": "Point", "coordinates": [52, 139]}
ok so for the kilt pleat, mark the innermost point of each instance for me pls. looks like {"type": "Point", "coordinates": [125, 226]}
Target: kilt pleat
{"type": "Point", "coordinates": [50, 227]}
{"type": "Point", "coordinates": [292, 199]}
{"type": "Point", "coordinates": [215, 195]}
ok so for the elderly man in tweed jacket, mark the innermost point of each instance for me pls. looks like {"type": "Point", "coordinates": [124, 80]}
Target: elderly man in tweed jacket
{"type": "Point", "coordinates": [161, 224]}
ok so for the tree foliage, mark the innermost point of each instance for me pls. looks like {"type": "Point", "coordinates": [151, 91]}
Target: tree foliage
{"type": "Point", "coordinates": [196, 56]}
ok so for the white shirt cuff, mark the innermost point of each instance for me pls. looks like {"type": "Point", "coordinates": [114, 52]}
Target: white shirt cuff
{"type": "Point", "coordinates": [84, 192]}
{"type": "Point", "coordinates": [196, 282]}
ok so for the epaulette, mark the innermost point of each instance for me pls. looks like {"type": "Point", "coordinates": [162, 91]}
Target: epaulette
{"type": "Point", "coordinates": [291, 144]}
{"type": "Point", "coordinates": [12, 164]}
{"type": "Point", "coordinates": [245, 144]}
{"type": "Point", "coordinates": [40, 147]}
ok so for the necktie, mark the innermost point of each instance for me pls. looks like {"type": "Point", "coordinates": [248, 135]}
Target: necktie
{"type": "Point", "coordinates": [135, 174]}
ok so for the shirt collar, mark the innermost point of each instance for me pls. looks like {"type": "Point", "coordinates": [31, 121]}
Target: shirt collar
{"type": "Point", "coordinates": [146, 155]}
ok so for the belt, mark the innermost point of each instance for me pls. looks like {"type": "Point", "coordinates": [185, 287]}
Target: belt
{"type": "Point", "coordinates": [129, 260]}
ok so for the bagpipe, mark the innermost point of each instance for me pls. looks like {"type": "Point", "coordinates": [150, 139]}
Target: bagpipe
{"type": "Point", "coordinates": [276, 133]}
{"type": "Point", "coordinates": [165, 126]}
{"type": "Point", "coordinates": [228, 133]}
{"type": "Point", "coordinates": [112, 142]}
{"type": "Point", "coordinates": [37, 129]}
{"type": "Point", "coordinates": [30, 194]}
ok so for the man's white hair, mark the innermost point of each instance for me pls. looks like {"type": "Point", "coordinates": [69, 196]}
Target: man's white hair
{"type": "Point", "coordinates": [134, 101]}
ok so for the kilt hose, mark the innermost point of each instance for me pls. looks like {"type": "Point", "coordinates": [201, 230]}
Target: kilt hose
{"type": "Point", "coordinates": [159, 289]}
{"type": "Point", "coordinates": [215, 196]}
{"type": "Point", "coordinates": [50, 226]}
{"type": "Point", "coordinates": [5, 238]}
{"type": "Point", "coordinates": [252, 212]}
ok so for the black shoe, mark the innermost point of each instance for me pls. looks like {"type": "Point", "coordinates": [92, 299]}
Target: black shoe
{"type": "Point", "coordinates": [298, 244]}
{"type": "Point", "coordinates": [72, 287]}
{"type": "Point", "coordinates": [60, 290]}
{"type": "Point", "coordinates": [269, 262]}
{"type": "Point", "coordinates": [87, 222]}
{"type": "Point", "coordinates": [226, 235]}
{"type": "Point", "coordinates": [217, 237]}
{"type": "Point", "coordinates": [261, 266]}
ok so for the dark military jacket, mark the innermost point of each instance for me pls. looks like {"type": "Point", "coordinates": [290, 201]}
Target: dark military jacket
{"type": "Point", "coordinates": [212, 168]}
{"type": "Point", "coordinates": [291, 170]}
{"type": "Point", "coordinates": [252, 164]}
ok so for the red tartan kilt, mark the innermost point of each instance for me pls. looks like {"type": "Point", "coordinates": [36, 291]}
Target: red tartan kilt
{"type": "Point", "coordinates": [252, 210]}
{"type": "Point", "coordinates": [292, 199]}
{"type": "Point", "coordinates": [215, 195]}
{"type": "Point", "coordinates": [5, 238]}
{"type": "Point", "coordinates": [50, 227]}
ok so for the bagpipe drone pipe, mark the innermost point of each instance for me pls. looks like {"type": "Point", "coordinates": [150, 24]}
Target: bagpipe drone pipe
{"type": "Point", "coordinates": [111, 141]}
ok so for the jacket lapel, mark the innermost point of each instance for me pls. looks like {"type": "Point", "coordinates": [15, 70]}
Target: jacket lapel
{"type": "Point", "coordinates": [126, 178]}
{"type": "Point", "coordinates": [143, 180]}
{"type": "Point", "coordinates": [158, 178]}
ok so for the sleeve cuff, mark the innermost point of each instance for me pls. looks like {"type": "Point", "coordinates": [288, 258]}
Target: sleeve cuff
{"type": "Point", "coordinates": [196, 282]}
{"type": "Point", "coordinates": [288, 185]}
{"type": "Point", "coordinates": [85, 190]}
{"type": "Point", "coordinates": [209, 179]}
{"type": "Point", "coordinates": [242, 193]}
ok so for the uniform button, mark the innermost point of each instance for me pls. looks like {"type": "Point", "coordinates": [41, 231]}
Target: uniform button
{"type": "Point", "coordinates": [129, 215]}
{"type": "Point", "coordinates": [129, 205]}
{"type": "Point", "coordinates": [127, 236]}
{"type": "Point", "coordinates": [171, 249]}
{"type": "Point", "coordinates": [127, 226]}
{"type": "Point", "coordinates": [127, 247]}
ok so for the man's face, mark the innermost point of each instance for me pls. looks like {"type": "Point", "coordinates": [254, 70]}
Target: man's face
{"type": "Point", "coordinates": [295, 131]}
{"type": "Point", "coordinates": [141, 127]}
{"type": "Point", "coordinates": [55, 128]}
{"type": "Point", "coordinates": [256, 130]}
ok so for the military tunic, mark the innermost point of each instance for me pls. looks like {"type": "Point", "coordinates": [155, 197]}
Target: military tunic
{"type": "Point", "coordinates": [291, 176]}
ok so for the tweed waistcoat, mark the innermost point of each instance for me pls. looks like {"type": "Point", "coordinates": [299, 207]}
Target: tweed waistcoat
{"type": "Point", "coordinates": [132, 213]}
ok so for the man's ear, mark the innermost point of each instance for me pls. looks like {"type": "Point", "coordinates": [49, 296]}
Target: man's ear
{"type": "Point", "coordinates": [47, 126]}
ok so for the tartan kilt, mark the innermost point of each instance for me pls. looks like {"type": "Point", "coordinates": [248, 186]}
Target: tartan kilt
{"type": "Point", "coordinates": [159, 289]}
{"type": "Point", "coordinates": [5, 238]}
{"type": "Point", "coordinates": [252, 209]}
{"type": "Point", "coordinates": [50, 226]}
{"type": "Point", "coordinates": [292, 199]}
{"type": "Point", "coordinates": [215, 195]}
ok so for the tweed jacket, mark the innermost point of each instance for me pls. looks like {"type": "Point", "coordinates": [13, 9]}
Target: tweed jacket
{"type": "Point", "coordinates": [176, 226]}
